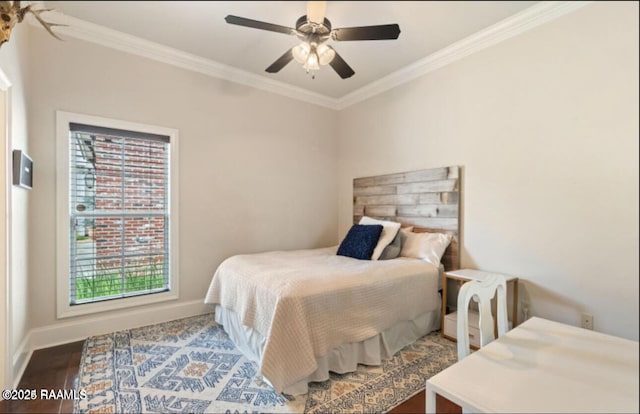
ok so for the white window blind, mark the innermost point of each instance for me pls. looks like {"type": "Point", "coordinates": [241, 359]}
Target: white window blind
{"type": "Point", "coordinates": [119, 213]}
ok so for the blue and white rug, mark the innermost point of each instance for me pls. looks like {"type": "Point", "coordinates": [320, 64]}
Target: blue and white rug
{"type": "Point", "coordinates": [190, 365]}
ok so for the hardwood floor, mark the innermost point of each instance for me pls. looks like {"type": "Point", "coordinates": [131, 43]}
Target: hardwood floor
{"type": "Point", "coordinates": [57, 369]}
{"type": "Point", "coordinates": [54, 369]}
{"type": "Point", "coordinates": [416, 404]}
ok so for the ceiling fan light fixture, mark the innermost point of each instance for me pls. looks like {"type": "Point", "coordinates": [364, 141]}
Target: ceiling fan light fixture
{"type": "Point", "coordinates": [301, 52]}
{"type": "Point", "coordinates": [325, 54]}
{"type": "Point", "coordinates": [312, 56]}
{"type": "Point", "coordinates": [312, 61]}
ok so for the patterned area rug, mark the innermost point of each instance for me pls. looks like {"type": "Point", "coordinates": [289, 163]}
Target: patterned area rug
{"type": "Point", "coordinates": [190, 365]}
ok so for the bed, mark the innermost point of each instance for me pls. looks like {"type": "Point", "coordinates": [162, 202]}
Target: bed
{"type": "Point", "coordinates": [301, 314]}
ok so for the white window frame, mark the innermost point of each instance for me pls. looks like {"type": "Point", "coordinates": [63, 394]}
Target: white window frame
{"type": "Point", "coordinates": [64, 309]}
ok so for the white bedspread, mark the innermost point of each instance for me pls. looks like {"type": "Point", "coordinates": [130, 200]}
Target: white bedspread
{"type": "Point", "coordinates": [306, 302]}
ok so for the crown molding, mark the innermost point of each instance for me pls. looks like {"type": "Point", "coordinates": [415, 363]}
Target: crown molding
{"type": "Point", "coordinates": [527, 19]}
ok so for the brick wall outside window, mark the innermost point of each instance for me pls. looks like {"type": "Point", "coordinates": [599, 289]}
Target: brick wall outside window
{"type": "Point", "coordinates": [139, 173]}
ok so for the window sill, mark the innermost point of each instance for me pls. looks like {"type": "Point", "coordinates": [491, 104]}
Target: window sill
{"type": "Point", "coordinates": [67, 311]}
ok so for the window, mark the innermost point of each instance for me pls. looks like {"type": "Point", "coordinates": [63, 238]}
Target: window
{"type": "Point", "coordinates": [117, 222]}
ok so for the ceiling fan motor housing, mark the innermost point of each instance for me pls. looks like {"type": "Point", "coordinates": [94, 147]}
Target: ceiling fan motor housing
{"type": "Point", "coordinates": [306, 26]}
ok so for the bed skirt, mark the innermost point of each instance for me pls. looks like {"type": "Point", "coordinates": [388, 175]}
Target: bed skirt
{"type": "Point", "coordinates": [342, 359]}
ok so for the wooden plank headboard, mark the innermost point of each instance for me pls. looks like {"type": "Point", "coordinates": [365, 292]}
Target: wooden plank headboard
{"type": "Point", "coordinates": [429, 200]}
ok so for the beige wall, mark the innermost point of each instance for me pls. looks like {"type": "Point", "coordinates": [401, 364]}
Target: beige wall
{"type": "Point", "coordinates": [257, 170]}
{"type": "Point", "coordinates": [14, 63]}
{"type": "Point", "coordinates": [545, 126]}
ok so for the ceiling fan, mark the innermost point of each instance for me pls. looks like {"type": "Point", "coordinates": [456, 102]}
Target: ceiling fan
{"type": "Point", "coordinates": [314, 29]}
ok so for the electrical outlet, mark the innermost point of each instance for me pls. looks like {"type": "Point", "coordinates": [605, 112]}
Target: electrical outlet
{"type": "Point", "coordinates": [587, 321]}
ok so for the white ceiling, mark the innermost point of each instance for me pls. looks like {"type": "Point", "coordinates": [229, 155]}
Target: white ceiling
{"type": "Point", "coordinates": [198, 27]}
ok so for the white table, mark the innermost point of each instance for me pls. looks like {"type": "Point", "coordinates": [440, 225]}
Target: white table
{"type": "Point", "coordinates": [544, 366]}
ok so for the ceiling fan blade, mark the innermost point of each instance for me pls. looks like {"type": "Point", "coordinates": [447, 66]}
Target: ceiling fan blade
{"type": "Point", "coordinates": [382, 32]}
{"type": "Point", "coordinates": [281, 62]}
{"type": "Point", "coordinates": [341, 67]}
{"type": "Point", "coordinates": [256, 24]}
{"type": "Point", "coordinates": [316, 11]}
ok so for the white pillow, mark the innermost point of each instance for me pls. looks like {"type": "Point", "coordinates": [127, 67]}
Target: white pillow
{"type": "Point", "coordinates": [389, 231]}
{"type": "Point", "coordinates": [426, 246]}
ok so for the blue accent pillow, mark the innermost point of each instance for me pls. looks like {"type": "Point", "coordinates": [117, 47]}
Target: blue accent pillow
{"type": "Point", "coordinates": [360, 241]}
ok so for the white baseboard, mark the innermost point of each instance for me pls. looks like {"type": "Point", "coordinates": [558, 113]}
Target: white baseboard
{"type": "Point", "coordinates": [72, 331]}
{"type": "Point", "coordinates": [20, 359]}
